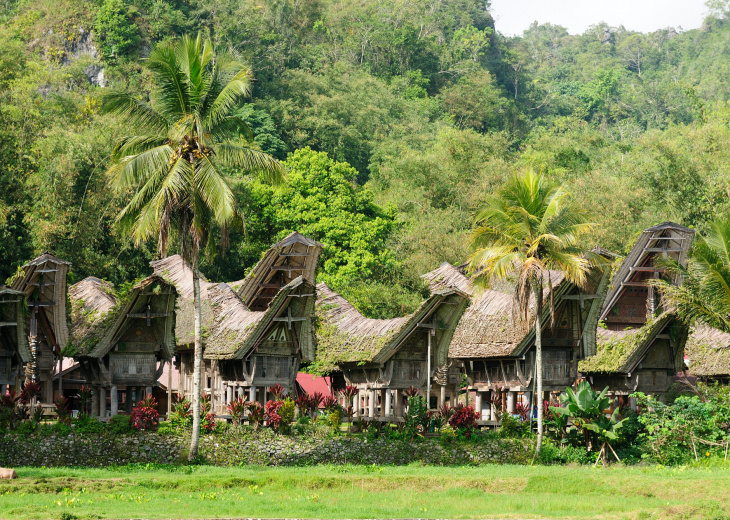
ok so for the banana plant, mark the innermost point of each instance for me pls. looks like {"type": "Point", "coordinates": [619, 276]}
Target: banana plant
{"type": "Point", "coordinates": [586, 408]}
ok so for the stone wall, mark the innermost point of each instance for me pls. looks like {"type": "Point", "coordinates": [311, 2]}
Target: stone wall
{"type": "Point", "coordinates": [263, 448]}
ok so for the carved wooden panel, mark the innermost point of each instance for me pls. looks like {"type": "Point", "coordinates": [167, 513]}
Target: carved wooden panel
{"type": "Point", "coordinates": [404, 370]}
{"type": "Point", "coordinates": [556, 365]}
{"type": "Point", "coordinates": [132, 368]}
{"type": "Point", "coordinates": [5, 363]}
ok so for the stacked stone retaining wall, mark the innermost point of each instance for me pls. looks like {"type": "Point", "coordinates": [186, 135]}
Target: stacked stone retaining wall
{"type": "Point", "coordinates": [264, 448]}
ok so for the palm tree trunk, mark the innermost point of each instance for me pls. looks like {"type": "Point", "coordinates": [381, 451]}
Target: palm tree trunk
{"type": "Point", "coordinates": [197, 364]}
{"type": "Point", "coordinates": [538, 367]}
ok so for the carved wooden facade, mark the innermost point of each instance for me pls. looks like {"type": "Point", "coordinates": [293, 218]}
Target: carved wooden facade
{"type": "Point", "coordinates": [14, 350]}
{"type": "Point", "coordinates": [382, 358]}
{"type": "Point", "coordinates": [124, 348]}
{"type": "Point", "coordinates": [43, 283]}
{"type": "Point", "coordinates": [641, 345]}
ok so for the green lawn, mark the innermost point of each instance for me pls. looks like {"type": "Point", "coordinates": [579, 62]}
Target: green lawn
{"type": "Point", "coordinates": [367, 492]}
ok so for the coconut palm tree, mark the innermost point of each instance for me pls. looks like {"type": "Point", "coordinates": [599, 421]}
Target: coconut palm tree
{"type": "Point", "coordinates": [524, 233]}
{"type": "Point", "coordinates": [172, 163]}
{"type": "Point", "coordinates": [705, 292]}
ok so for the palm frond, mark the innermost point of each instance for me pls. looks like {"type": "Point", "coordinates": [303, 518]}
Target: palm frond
{"type": "Point", "coordinates": [172, 92]}
{"type": "Point", "coordinates": [250, 160]}
{"type": "Point", "coordinates": [136, 113]}
{"type": "Point", "coordinates": [132, 170]}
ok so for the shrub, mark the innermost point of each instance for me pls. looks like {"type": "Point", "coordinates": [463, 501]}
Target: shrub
{"type": "Point", "coordinates": [145, 415]}
{"type": "Point", "coordinates": [272, 414]}
{"type": "Point", "coordinates": [255, 414]}
{"type": "Point", "coordinates": [209, 423]}
{"type": "Point", "coordinates": [512, 427]}
{"type": "Point", "coordinates": [563, 454]}
{"type": "Point", "coordinates": [416, 417]}
{"type": "Point", "coordinates": [464, 419]}
{"type": "Point", "coordinates": [88, 425]}
{"type": "Point", "coordinates": [286, 412]}
{"type": "Point", "coordinates": [334, 420]}
{"type": "Point", "coordinates": [330, 404]}
{"type": "Point", "coordinates": [120, 425]}
{"type": "Point", "coordinates": [182, 412]}
{"type": "Point", "coordinates": [115, 28]}
{"type": "Point", "coordinates": [60, 406]}
{"type": "Point", "coordinates": [237, 409]}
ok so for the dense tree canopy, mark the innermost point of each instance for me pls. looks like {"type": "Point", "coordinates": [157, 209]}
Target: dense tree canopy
{"type": "Point", "coordinates": [421, 107]}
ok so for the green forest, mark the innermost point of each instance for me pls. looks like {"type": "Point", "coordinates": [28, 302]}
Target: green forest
{"type": "Point", "coordinates": [393, 120]}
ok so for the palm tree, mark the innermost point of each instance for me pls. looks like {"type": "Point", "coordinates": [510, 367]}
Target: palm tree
{"type": "Point", "coordinates": [523, 232]}
{"type": "Point", "coordinates": [705, 292]}
{"type": "Point", "coordinates": [172, 163]}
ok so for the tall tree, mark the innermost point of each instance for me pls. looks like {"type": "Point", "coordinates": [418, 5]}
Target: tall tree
{"type": "Point", "coordinates": [183, 136]}
{"type": "Point", "coordinates": [705, 292]}
{"type": "Point", "coordinates": [523, 232]}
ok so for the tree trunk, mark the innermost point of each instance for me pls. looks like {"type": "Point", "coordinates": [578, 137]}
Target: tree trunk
{"type": "Point", "coordinates": [197, 364]}
{"type": "Point", "coordinates": [538, 375]}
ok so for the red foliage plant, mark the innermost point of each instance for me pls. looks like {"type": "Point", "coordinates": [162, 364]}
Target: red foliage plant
{"type": "Point", "coordinates": [348, 393]}
{"type": "Point", "coordinates": [30, 390]}
{"type": "Point", "coordinates": [60, 406]}
{"type": "Point", "coordinates": [255, 414]}
{"type": "Point", "coordinates": [277, 391]}
{"type": "Point", "coordinates": [523, 410]}
{"type": "Point", "coordinates": [314, 401]}
{"type": "Point", "coordinates": [411, 391]}
{"type": "Point", "coordinates": [302, 402]}
{"type": "Point", "coordinates": [237, 409]}
{"type": "Point", "coordinates": [329, 403]}
{"type": "Point", "coordinates": [464, 418]}
{"type": "Point", "coordinates": [145, 415]}
{"type": "Point", "coordinates": [272, 414]}
{"type": "Point", "coordinates": [209, 423]}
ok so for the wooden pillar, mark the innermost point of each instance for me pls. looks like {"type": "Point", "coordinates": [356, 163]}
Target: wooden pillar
{"type": "Point", "coordinates": [252, 394]}
{"type": "Point", "coordinates": [114, 401]}
{"type": "Point", "coordinates": [229, 394]}
{"type": "Point", "coordinates": [528, 401]}
{"type": "Point", "coordinates": [102, 402]}
{"type": "Point", "coordinates": [388, 402]}
{"type": "Point", "coordinates": [169, 389]}
{"type": "Point", "coordinates": [371, 404]}
{"type": "Point", "coordinates": [95, 401]}
{"type": "Point", "coordinates": [148, 391]}
{"type": "Point", "coordinates": [382, 402]}
{"type": "Point", "coordinates": [442, 397]}
{"type": "Point", "coordinates": [60, 378]}
{"type": "Point", "coordinates": [511, 401]}
{"type": "Point", "coordinates": [398, 402]}
{"type": "Point", "coordinates": [478, 403]}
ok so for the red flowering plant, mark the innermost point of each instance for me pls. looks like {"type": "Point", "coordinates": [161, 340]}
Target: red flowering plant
{"type": "Point", "coordinates": [411, 391]}
{"type": "Point", "coordinates": [237, 409]}
{"type": "Point", "coordinates": [209, 422]}
{"type": "Point", "coordinates": [271, 414]}
{"type": "Point", "coordinates": [255, 414]}
{"type": "Point", "coordinates": [145, 415]}
{"type": "Point", "coordinates": [464, 419]}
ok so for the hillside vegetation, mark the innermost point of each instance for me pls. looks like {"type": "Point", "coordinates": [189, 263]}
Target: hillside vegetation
{"type": "Point", "coordinates": [394, 120]}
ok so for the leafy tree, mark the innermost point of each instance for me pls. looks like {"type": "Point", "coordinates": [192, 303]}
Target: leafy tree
{"type": "Point", "coordinates": [172, 164]}
{"type": "Point", "coordinates": [524, 231]}
{"type": "Point", "coordinates": [117, 31]}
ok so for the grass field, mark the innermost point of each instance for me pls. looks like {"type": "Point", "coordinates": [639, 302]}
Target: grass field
{"type": "Point", "coordinates": [367, 492]}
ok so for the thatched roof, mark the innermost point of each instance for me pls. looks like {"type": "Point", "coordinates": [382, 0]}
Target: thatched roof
{"type": "Point", "coordinates": [488, 328]}
{"type": "Point", "coordinates": [621, 351]}
{"type": "Point", "coordinates": [91, 300]}
{"type": "Point", "coordinates": [12, 324]}
{"type": "Point", "coordinates": [178, 272]}
{"type": "Point", "coordinates": [675, 238]}
{"type": "Point", "coordinates": [708, 352]}
{"type": "Point", "coordinates": [346, 336]}
{"type": "Point", "coordinates": [447, 275]}
{"type": "Point", "coordinates": [237, 331]}
{"type": "Point", "coordinates": [54, 271]}
{"type": "Point", "coordinates": [283, 262]}
{"type": "Point", "coordinates": [96, 341]}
